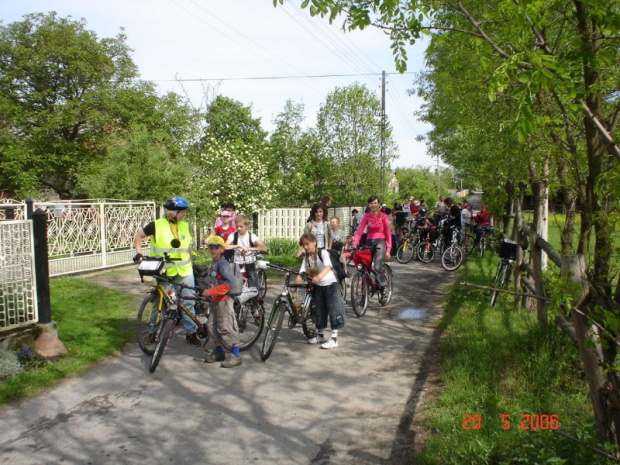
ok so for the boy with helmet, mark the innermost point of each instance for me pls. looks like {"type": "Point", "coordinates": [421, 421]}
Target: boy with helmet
{"type": "Point", "coordinates": [170, 235]}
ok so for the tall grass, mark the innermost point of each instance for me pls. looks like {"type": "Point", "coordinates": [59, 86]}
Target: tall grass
{"type": "Point", "coordinates": [496, 362]}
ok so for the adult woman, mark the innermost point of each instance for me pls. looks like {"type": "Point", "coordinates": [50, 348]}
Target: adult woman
{"type": "Point", "coordinates": [318, 226]}
{"type": "Point", "coordinates": [378, 237]}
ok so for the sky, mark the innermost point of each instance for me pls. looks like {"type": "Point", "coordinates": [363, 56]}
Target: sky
{"type": "Point", "coordinates": [253, 52]}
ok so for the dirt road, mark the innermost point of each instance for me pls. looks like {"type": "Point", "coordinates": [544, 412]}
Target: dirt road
{"type": "Point", "coordinates": [356, 404]}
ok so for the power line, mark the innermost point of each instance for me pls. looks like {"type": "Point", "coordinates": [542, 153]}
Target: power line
{"type": "Point", "coordinates": [263, 78]}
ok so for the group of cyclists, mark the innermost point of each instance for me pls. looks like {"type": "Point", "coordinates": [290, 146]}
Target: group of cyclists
{"type": "Point", "coordinates": [379, 229]}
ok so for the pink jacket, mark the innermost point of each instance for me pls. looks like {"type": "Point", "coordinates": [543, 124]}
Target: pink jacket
{"type": "Point", "coordinates": [378, 228]}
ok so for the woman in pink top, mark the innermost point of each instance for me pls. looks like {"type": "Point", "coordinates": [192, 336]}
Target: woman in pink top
{"type": "Point", "coordinates": [379, 237]}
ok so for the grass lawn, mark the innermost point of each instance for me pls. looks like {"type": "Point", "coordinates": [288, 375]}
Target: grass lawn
{"type": "Point", "coordinates": [497, 364]}
{"type": "Point", "coordinates": [93, 323]}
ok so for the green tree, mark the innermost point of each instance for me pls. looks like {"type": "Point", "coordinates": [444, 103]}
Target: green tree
{"type": "Point", "coordinates": [563, 53]}
{"type": "Point", "coordinates": [350, 138]}
{"type": "Point", "coordinates": [57, 80]}
{"type": "Point", "coordinates": [229, 120]}
{"type": "Point", "coordinates": [293, 158]}
{"type": "Point", "coordinates": [138, 166]}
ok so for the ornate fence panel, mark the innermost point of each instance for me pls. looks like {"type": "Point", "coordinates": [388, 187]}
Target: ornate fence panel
{"type": "Point", "coordinates": [18, 306]}
{"type": "Point", "coordinates": [86, 235]}
{"type": "Point", "coordinates": [12, 210]}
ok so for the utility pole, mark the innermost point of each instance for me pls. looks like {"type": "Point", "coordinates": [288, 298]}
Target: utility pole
{"type": "Point", "coordinates": [382, 136]}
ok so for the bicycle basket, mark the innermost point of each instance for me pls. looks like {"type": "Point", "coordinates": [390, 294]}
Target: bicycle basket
{"type": "Point", "coordinates": [363, 257]}
{"type": "Point", "coordinates": [508, 249]}
{"type": "Point", "coordinates": [150, 267]}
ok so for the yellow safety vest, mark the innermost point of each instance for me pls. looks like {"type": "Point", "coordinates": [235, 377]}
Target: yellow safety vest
{"type": "Point", "coordinates": [160, 244]}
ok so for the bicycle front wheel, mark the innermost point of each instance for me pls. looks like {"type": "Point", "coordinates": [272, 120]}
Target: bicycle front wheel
{"type": "Point", "coordinates": [389, 287]}
{"type": "Point", "coordinates": [468, 243]}
{"type": "Point", "coordinates": [149, 317]}
{"type": "Point", "coordinates": [274, 325]}
{"type": "Point", "coordinates": [164, 337]}
{"type": "Point", "coordinates": [262, 282]}
{"type": "Point", "coordinates": [405, 252]}
{"type": "Point", "coordinates": [499, 282]}
{"type": "Point", "coordinates": [452, 258]}
{"type": "Point", "coordinates": [426, 252]}
{"type": "Point", "coordinates": [250, 320]}
{"type": "Point", "coordinates": [359, 294]}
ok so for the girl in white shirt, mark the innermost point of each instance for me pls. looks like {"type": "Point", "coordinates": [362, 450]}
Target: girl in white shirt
{"type": "Point", "coordinates": [327, 297]}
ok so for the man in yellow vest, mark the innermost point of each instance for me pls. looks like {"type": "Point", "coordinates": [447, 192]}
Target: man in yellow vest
{"type": "Point", "coordinates": [170, 235]}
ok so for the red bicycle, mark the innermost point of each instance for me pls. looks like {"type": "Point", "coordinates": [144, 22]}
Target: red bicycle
{"type": "Point", "coordinates": [364, 283]}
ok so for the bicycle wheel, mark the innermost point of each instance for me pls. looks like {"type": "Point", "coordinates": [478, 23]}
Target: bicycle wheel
{"type": "Point", "coordinates": [250, 320]}
{"type": "Point", "coordinates": [359, 294]}
{"type": "Point", "coordinates": [308, 324]}
{"type": "Point", "coordinates": [146, 323]}
{"type": "Point", "coordinates": [164, 336]}
{"type": "Point", "coordinates": [426, 252]}
{"type": "Point", "coordinates": [452, 258]}
{"type": "Point", "coordinates": [262, 282]}
{"type": "Point", "coordinates": [499, 282]}
{"type": "Point", "coordinates": [468, 243]}
{"type": "Point", "coordinates": [274, 325]}
{"type": "Point", "coordinates": [405, 252]}
{"type": "Point", "coordinates": [390, 285]}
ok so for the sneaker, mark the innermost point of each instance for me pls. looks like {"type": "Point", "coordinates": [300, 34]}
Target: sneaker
{"type": "Point", "coordinates": [193, 340]}
{"type": "Point", "coordinates": [317, 340]}
{"type": "Point", "coordinates": [213, 357]}
{"type": "Point", "coordinates": [331, 344]}
{"type": "Point", "coordinates": [231, 361]}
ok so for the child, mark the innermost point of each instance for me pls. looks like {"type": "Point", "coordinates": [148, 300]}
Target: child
{"type": "Point", "coordinates": [245, 244]}
{"type": "Point", "coordinates": [222, 326]}
{"type": "Point", "coordinates": [226, 228]}
{"type": "Point", "coordinates": [327, 297]}
{"type": "Point", "coordinates": [338, 243]}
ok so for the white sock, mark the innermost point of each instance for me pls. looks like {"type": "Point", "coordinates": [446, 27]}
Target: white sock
{"type": "Point", "coordinates": [334, 335]}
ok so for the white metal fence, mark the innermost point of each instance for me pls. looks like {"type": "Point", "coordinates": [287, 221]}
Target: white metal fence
{"type": "Point", "coordinates": [18, 303]}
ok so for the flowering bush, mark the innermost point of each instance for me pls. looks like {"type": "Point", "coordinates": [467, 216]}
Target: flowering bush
{"type": "Point", "coordinates": [230, 172]}
{"type": "Point", "coordinates": [9, 364]}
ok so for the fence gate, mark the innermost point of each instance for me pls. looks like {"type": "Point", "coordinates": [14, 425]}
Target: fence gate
{"type": "Point", "coordinates": [18, 303]}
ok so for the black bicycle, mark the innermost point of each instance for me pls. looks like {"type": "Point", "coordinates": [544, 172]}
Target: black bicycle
{"type": "Point", "coordinates": [303, 312]}
{"type": "Point", "coordinates": [507, 256]}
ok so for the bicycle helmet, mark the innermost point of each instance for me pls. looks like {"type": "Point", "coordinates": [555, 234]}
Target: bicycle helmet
{"type": "Point", "coordinates": [176, 204]}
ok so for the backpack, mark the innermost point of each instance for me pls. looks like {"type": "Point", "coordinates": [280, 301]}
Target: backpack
{"type": "Point", "coordinates": [230, 253]}
{"type": "Point", "coordinates": [334, 257]}
{"type": "Point", "coordinates": [236, 286]}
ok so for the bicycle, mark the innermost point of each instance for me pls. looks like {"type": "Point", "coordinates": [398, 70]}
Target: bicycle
{"type": "Point", "coordinates": [162, 310]}
{"type": "Point", "coordinates": [452, 257]}
{"type": "Point", "coordinates": [364, 282]}
{"type": "Point", "coordinates": [407, 249]}
{"type": "Point", "coordinates": [507, 256]}
{"type": "Point", "coordinates": [467, 242]}
{"type": "Point", "coordinates": [430, 240]}
{"type": "Point", "coordinates": [304, 314]}
{"type": "Point", "coordinates": [482, 242]}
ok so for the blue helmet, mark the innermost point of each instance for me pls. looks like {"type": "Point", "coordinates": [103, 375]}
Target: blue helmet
{"type": "Point", "coordinates": [176, 204]}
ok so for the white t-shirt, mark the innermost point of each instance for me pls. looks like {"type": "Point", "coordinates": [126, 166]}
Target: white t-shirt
{"type": "Point", "coordinates": [321, 263]}
{"type": "Point", "coordinates": [244, 240]}
{"type": "Point", "coordinates": [465, 216]}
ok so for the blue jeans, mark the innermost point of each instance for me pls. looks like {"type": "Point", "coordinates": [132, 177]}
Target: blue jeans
{"type": "Point", "coordinates": [328, 301]}
{"type": "Point", "coordinates": [188, 324]}
{"type": "Point", "coordinates": [378, 248]}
